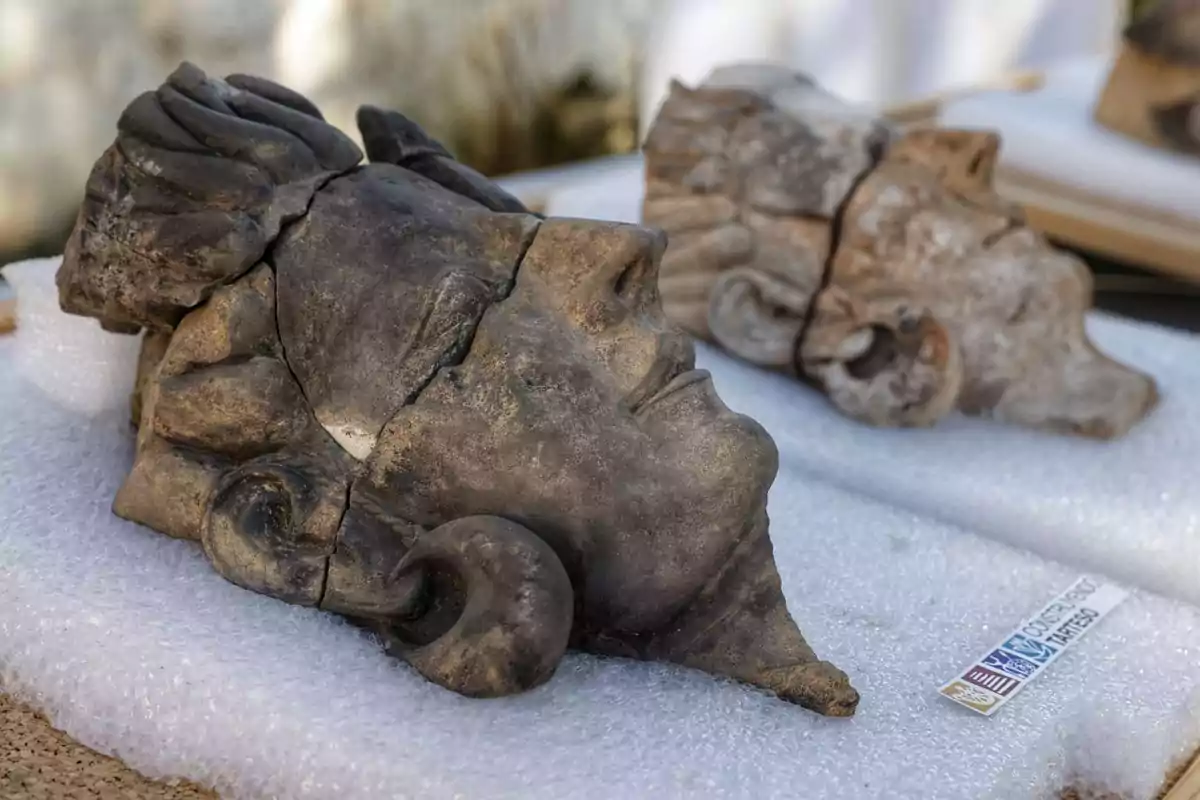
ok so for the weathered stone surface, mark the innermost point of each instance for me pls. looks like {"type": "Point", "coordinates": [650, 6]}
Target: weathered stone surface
{"type": "Point", "coordinates": [921, 291]}
{"type": "Point", "coordinates": [392, 138]}
{"type": "Point", "coordinates": [997, 312]}
{"type": "Point", "coordinates": [509, 576]}
{"type": "Point", "coordinates": [380, 285]}
{"type": "Point", "coordinates": [745, 173]}
{"type": "Point", "coordinates": [273, 521]}
{"type": "Point", "coordinates": [218, 394]}
{"type": "Point", "coordinates": [448, 419]}
{"type": "Point", "coordinates": [198, 184]}
{"type": "Point", "coordinates": [154, 346]}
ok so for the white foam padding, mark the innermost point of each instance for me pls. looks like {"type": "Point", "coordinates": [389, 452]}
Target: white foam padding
{"type": "Point", "coordinates": [134, 645]}
{"type": "Point", "coordinates": [1127, 508]}
{"type": "Point", "coordinates": [1050, 133]}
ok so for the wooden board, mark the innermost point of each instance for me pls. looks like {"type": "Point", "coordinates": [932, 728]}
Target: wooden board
{"type": "Point", "coordinates": [1187, 786]}
{"type": "Point", "coordinates": [8, 308]}
{"type": "Point", "coordinates": [1149, 100]}
{"type": "Point", "coordinates": [1154, 240]}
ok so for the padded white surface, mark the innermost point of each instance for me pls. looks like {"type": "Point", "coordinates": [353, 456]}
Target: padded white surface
{"type": "Point", "coordinates": [135, 646]}
{"type": "Point", "coordinates": [1050, 134]}
{"type": "Point", "coordinates": [1127, 508]}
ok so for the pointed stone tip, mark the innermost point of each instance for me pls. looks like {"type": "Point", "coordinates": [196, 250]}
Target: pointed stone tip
{"type": "Point", "coordinates": [844, 705]}
{"type": "Point", "coordinates": [392, 137]}
{"type": "Point", "coordinates": [187, 73]}
{"type": "Point", "coordinates": [817, 685]}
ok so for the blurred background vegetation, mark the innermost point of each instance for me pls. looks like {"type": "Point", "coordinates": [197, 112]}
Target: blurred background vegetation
{"type": "Point", "coordinates": [1138, 6]}
{"type": "Point", "coordinates": [507, 85]}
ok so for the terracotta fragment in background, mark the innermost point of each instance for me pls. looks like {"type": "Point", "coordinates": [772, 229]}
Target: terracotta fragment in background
{"type": "Point", "coordinates": [905, 290]}
{"type": "Point", "coordinates": [745, 174]}
{"type": "Point", "coordinates": [389, 391]}
{"type": "Point", "coordinates": [1152, 93]}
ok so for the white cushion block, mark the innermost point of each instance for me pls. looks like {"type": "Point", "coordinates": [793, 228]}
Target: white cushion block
{"type": "Point", "coordinates": [134, 645]}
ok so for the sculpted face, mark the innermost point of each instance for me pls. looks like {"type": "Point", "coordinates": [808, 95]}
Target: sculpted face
{"type": "Point", "coordinates": [578, 412]}
{"type": "Point", "coordinates": [407, 400]}
{"type": "Point", "coordinates": [885, 269]}
{"type": "Point", "coordinates": [966, 306]}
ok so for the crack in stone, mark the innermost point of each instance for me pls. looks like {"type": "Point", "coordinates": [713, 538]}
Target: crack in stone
{"type": "Point", "coordinates": [452, 358]}
{"type": "Point", "coordinates": [337, 541]}
{"type": "Point", "coordinates": [465, 351]}
{"type": "Point", "coordinates": [268, 258]}
{"type": "Point", "coordinates": [835, 243]}
{"type": "Point", "coordinates": [416, 394]}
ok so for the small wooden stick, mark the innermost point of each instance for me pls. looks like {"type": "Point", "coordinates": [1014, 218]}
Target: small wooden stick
{"type": "Point", "coordinates": [927, 108]}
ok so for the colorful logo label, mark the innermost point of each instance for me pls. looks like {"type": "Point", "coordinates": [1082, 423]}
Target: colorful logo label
{"type": "Point", "coordinates": [972, 696]}
{"type": "Point", "coordinates": [992, 681]}
{"type": "Point", "coordinates": [1008, 663]}
{"type": "Point", "coordinates": [1022, 645]}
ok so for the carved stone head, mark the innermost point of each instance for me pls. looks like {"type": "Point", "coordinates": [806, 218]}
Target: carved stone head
{"type": "Point", "coordinates": [389, 391]}
{"type": "Point", "coordinates": [809, 237]}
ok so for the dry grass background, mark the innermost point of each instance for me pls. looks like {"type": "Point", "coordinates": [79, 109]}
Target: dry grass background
{"type": "Point", "coordinates": [507, 85]}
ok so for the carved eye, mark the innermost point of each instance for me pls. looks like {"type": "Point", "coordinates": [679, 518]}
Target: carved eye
{"type": "Point", "coordinates": [877, 356]}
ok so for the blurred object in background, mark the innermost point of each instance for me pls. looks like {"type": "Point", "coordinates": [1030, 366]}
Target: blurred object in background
{"type": "Point", "coordinates": [506, 84]}
{"type": "Point", "coordinates": [876, 52]}
{"type": "Point", "coordinates": [8, 308]}
{"type": "Point", "coordinates": [1137, 7]}
{"type": "Point", "coordinates": [1153, 91]}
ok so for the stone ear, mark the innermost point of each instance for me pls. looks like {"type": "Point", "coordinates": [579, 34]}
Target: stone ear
{"type": "Point", "coordinates": [500, 620]}
{"type": "Point", "coordinates": [756, 316]}
{"type": "Point", "coordinates": [191, 195]}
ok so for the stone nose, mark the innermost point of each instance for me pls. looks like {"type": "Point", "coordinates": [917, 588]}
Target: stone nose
{"type": "Point", "coordinates": [1111, 398]}
{"type": "Point", "coordinates": [1090, 396]}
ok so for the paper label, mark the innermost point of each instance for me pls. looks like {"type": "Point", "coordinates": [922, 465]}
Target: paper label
{"type": "Point", "coordinates": [998, 675]}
